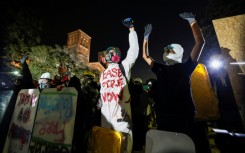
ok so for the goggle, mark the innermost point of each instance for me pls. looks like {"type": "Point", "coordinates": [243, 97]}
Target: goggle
{"type": "Point", "coordinates": [169, 47]}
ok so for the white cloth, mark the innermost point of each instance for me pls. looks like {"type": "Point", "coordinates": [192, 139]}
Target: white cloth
{"type": "Point", "coordinates": [115, 96]}
{"type": "Point", "coordinates": [177, 57]}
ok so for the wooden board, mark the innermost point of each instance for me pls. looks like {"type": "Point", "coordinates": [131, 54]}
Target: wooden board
{"type": "Point", "coordinates": [55, 119]}
{"type": "Point", "coordinates": [21, 126]}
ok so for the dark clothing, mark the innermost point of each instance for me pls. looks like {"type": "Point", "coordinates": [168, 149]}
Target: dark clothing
{"type": "Point", "coordinates": [175, 108]}
{"type": "Point", "coordinates": [78, 133]}
{"type": "Point", "coordinates": [27, 77]}
{"type": "Point", "coordinates": [138, 108]}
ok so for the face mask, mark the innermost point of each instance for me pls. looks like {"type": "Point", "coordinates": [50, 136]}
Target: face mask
{"type": "Point", "coordinates": [108, 57]}
{"type": "Point", "coordinates": [85, 81]}
{"type": "Point", "coordinates": [43, 85]}
{"type": "Point", "coordinates": [112, 58]}
{"type": "Point", "coordinates": [167, 58]}
{"type": "Point", "coordinates": [173, 57]}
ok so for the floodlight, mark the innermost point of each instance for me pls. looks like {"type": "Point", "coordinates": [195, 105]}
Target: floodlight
{"type": "Point", "coordinates": [216, 64]}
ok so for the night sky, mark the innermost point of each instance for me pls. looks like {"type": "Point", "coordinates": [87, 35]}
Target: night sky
{"type": "Point", "coordinates": [101, 20]}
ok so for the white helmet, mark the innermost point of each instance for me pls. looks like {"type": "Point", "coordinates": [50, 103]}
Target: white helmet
{"type": "Point", "coordinates": [46, 75]}
{"type": "Point", "coordinates": [44, 80]}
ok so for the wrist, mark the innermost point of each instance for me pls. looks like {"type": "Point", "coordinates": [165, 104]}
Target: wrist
{"type": "Point", "coordinates": [191, 20]}
{"type": "Point", "coordinates": [146, 37]}
{"type": "Point", "coordinates": [131, 28]}
{"type": "Point", "coordinates": [192, 23]}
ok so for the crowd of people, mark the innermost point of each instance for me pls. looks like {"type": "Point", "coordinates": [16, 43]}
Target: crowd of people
{"type": "Point", "coordinates": [126, 104]}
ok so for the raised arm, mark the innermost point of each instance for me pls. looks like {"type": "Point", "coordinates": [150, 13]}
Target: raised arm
{"type": "Point", "coordinates": [197, 34]}
{"type": "Point", "coordinates": [133, 51]}
{"type": "Point", "coordinates": [146, 56]}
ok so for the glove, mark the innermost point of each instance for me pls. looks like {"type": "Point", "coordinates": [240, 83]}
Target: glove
{"type": "Point", "coordinates": [128, 22]}
{"type": "Point", "coordinates": [188, 16]}
{"type": "Point", "coordinates": [148, 29]}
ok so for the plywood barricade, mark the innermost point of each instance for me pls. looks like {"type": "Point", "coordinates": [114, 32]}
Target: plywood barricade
{"type": "Point", "coordinates": [54, 123]}
{"type": "Point", "coordinates": [20, 128]}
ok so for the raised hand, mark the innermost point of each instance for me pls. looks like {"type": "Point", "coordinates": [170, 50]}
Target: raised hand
{"type": "Point", "coordinates": [148, 29]}
{"type": "Point", "coordinates": [190, 17]}
{"type": "Point", "coordinates": [23, 59]}
{"type": "Point", "coordinates": [128, 22]}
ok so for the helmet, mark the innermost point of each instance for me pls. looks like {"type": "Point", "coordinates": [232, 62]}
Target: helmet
{"type": "Point", "coordinates": [44, 81]}
{"type": "Point", "coordinates": [46, 75]}
{"type": "Point", "coordinates": [89, 74]}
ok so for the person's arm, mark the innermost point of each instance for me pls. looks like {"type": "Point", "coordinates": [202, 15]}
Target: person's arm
{"type": "Point", "coordinates": [197, 34]}
{"type": "Point", "coordinates": [199, 41]}
{"type": "Point", "coordinates": [27, 76]}
{"type": "Point", "coordinates": [145, 53]}
{"type": "Point", "coordinates": [133, 51]}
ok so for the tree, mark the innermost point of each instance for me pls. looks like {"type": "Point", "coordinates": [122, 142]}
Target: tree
{"type": "Point", "coordinates": [22, 36]}
{"type": "Point", "coordinates": [19, 31]}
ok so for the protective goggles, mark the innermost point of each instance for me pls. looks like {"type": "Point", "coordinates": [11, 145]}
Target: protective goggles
{"type": "Point", "coordinates": [169, 47]}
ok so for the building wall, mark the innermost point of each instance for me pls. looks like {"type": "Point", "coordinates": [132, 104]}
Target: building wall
{"type": "Point", "coordinates": [78, 44]}
{"type": "Point", "coordinates": [81, 41]}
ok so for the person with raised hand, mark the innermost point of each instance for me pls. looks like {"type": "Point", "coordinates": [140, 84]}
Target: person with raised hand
{"type": "Point", "coordinates": [114, 93]}
{"type": "Point", "coordinates": [175, 109]}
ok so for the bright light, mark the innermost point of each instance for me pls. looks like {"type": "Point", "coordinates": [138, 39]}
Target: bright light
{"type": "Point", "coordinates": [216, 64]}
{"type": "Point", "coordinates": [15, 72]}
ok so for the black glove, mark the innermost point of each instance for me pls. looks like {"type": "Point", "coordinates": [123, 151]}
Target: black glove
{"type": "Point", "coordinates": [128, 22]}
{"type": "Point", "coordinates": [188, 16]}
{"type": "Point", "coordinates": [148, 29]}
